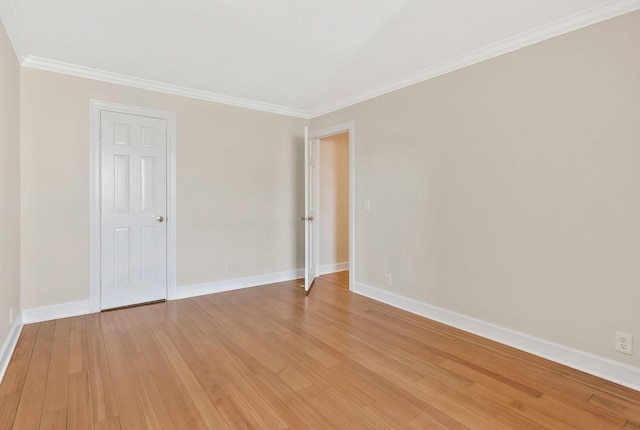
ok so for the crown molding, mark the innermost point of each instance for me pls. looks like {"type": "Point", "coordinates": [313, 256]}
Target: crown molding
{"type": "Point", "coordinates": [147, 84]}
{"type": "Point", "coordinates": [12, 27]}
{"type": "Point", "coordinates": [565, 25]}
{"type": "Point", "coordinates": [579, 20]}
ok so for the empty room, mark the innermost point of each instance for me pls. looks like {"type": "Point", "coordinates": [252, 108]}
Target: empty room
{"type": "Point", "coordinates": [319, 215]}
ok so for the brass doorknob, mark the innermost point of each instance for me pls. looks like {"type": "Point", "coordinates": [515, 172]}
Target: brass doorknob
{"type": "Point", "coordinates": [160, 219]}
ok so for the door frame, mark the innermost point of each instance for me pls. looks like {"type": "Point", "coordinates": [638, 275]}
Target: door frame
{"type": "Point", "coordinates": [345, 127]}
{"type": "Point", "coordinates": [96, 107]}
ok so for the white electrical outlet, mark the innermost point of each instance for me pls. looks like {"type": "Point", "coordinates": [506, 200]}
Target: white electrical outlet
{"type": "Point", "coordinates": [228, 267]}
{"type": "Point", "coordinates": [624, 343]}
{"type": "Point", "coordinates": [367, 204]}
{"type": "Point", "coordinates": [387, 280]}
{"type": "Point", "coordinates": [11, 315]}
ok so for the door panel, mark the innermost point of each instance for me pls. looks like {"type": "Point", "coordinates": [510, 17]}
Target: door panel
{"type": "Point", "coordinates": [122, 196]}
{"type": "Point", "coordinates": [133, 200]}
{"type": "Point", "coordinates": [148, 178]}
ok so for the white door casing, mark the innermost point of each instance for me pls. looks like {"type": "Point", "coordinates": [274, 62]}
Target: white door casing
{"type": "Point", "coordinates": [310, 216]}
{"type": "Point", "coordinates": [132, 250]}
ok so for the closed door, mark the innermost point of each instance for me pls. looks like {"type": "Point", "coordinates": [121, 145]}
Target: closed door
{"type": "Point", "coordinates": [133, 209]}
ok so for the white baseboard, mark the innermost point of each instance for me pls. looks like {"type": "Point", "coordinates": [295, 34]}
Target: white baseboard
{"type": "Point", "coordinates": [333, 268]}
{"type": "Point", "coordinates": [64, 310]}
{"type": "Point", "coordinates": [10, 345]}
{"type": "Point", "coordinates": [604, 368]}
{"type": "Point", "coordinates": [83, 307]}
{"type": "Point", "coordinates": [237, 283]}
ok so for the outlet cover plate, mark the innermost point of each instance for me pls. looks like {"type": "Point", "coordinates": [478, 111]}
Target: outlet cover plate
{"type": "Point", "coordinates": [624, 343]}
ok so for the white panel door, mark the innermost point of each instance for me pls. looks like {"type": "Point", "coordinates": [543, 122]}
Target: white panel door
{"type": "Point", "coordinates": [133, 209]}
{"type": "Point", "coordinates": [310, 230]}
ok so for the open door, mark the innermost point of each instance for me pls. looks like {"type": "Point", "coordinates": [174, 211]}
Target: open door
{"type": "Point", "coordinates": [310, 231]}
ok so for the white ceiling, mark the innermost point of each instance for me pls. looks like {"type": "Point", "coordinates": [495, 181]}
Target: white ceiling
{"type": "Point", "coordinates": [299, 57]}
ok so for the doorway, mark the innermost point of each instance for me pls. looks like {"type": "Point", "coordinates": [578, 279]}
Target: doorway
{"type": "Point", "coordinates": [132, 175]}
{"type": "Point", "coordinates": [335, 200]}
{"type": "Point", "coordinates": [333, 205]}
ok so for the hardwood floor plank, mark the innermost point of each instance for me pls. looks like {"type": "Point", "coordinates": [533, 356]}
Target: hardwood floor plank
{"type": "Point", "coordinates": [30, 406]}
{"type": "Point", "coordinates": [13, 382]}
{"type": "Point", "coordinates": [8, 408]}
{"type": "Point", "coordinates": [63, 328]}
{"type": "Point", "coordinates": [54, 420]}
{"type": "Point", "coordinates": [79, 412]}
{"type": "Point", "coordinates": [254, 407]}
{"type": "Point", "coordinates": [630, 425]}
{"type": "Point", "coordinates": [55, 396]}
{"type": "Point", "coordinates": [281, 396]}
{"type": "Point", "coordinates": [316, 351]}
{"type": "Point", "coordinates": [179, 405]}
{"type": "Point", "coordinates": [273, 358]}
{"type": "Point", "coordinates": [207, 410]}
{"type": "Point", "coordinates": [103, 401]}
{"type": "Point", "coordinates": [129, 405]}
{"type": "Point", "coordinates": [108, 424]}
{"type": "Point", "coordinates": [78, 358]}
{"type": "Point", "coordinates": [294, 379]}
{"type": "Point", "coordinates": [527, 408]}
{"type": "Point", "coordinates": [309, 415]}
{"type": "Point", "coordinates": [426, 422]}
{"type": "Point", "coordinates": [545, 411]}
{"type": "Point", "coordinates": [153, 405]}
{"type": "Point", "coordinates": [619, 407]}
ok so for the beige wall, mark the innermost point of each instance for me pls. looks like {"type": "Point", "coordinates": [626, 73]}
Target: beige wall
{"type": "Point", "coordinates": [239, 193]}
{"type": "Point", "coordinates": [9, 183]}
{"type": "Point", "coordinates": [509, 191]}
{"type": "Point", "coordinates": [334, 200]}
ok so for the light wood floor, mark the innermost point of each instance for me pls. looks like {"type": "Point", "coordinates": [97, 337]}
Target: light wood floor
{"type": "Point", "coordinates": [271, 358]}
